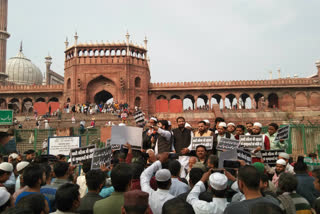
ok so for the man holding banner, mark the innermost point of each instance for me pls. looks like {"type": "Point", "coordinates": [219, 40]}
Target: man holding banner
{"type": "Point", "coordinates": [163, 143]}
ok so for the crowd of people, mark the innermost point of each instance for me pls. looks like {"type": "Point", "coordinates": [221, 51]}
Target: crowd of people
{"type": "Point", "coordinates": [93, 108]}
{"type": "Point", "coordinates": [166, 176]}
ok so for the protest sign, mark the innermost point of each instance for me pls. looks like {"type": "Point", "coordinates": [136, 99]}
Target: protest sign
{"type": "Point", "coordinates": [283, 133]}
{"type": "Point", "coordinates": [270, 156]}
{"type": "Point", "coordinates": [81, 154]}
{"type": "Point", "coordinates": [228, 155]}
{"type": "Point", "coordinates": [127, 134]}
{"type": "Point", "coordinates": [251, 141]}
{"type": "Point", "coordinates": [244, 155]}
{"type": "Point", "coordinates": [227, 144]}
{"type": "Point", "coordinates": [62, 145]}
{"type": "Point", "coordinates": [101, 156]}
{"type": "Point", "coordinates": [205, 141]}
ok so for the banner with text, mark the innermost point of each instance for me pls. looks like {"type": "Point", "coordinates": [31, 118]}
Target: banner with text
{"type": "Point", "coordinates": [227, 144]}
{"type": "Point", "coordinates": [244, 155]}
{"type": "Point", "coordinates": [251, 141]}
{"type": "Point", "coordinates": [62, 145]}
{"type": "Point", "coordinates": [283, 133]}
{"type": "Point", "coordinates": [81, 154]}
{"type": "Point", "coordinates": [228, 155]}
{"type": "Point", "coordinates": [101, 156]}
{"type": "Point", "coordinates": [270, 156]}
{"type": "Point", "coordinates": [204, 141]}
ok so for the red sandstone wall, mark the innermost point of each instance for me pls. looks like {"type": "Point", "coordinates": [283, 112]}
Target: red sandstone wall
{"type": "Point", "coordinates": [42, 107]}
{"type": "Point", "coordinates": [161, 106]}
{"type": "Point", "coordinates": [175, 106]}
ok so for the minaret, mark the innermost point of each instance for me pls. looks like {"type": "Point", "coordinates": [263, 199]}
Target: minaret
{"type": "Point", "coordinates": [48, 64]}
{"type": "Point", "coordinates": [127, 41]}
{"type": "Point", "coordinates": [4, 35]}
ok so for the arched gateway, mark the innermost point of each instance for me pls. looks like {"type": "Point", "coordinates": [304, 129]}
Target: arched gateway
{"type": "Point", "coordinates": [103, 97]}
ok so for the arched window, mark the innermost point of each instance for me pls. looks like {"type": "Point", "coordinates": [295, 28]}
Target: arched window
{"type": "Point", "coordinates": [69, 83]}
{"type": "Point", "coordinates": [137, 82]}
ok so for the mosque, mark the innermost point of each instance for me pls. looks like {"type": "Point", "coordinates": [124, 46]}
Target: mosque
{"type": "Point", "coordinates": [97, 72]}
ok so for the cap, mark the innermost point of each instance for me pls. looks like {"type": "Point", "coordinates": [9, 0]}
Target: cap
{"type": "Point", "coordinates": [231, 124]}
{"type": "Point", "coordinates": [257, 124]}
{"type": "Point", "coordinates": [22, 165]}
{"type": "Point", "coordinates": [4, 196]}
{"type": "Point", "coordinates": [13, 155]}
{"type": "Point", "coordinates": [222, 124]}
{"type": "Point", "coordinates": [259, 166]}
{"type": "Point", "coordinates": [163, 175]}
{"type": "Point", "coordinates": [122, 124]}
{"type": "Point", "coordinates": [154, 119]}
{"type": "Point", "coordinates": [218, 181]}
{"type": "Point", "coordinates": [28, 152]}
{"type": "Point", "coordinates": [187, 125]}
{"type": "Point", "coordinates": [136, 198]}
{"type": "Point", "coordinates": [169, 123]}
{"type": "Point", "coordinates": [281, 162]}
{"type": "Point", "coordinates": [5, 166]}
{"type": "Point", "coordinates": [284, 155]}
{"type": "Point", "coordinates": [207, 121]}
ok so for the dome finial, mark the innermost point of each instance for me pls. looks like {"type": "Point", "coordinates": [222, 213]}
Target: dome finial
{"type": "Point", "coordinates": [21, 46]}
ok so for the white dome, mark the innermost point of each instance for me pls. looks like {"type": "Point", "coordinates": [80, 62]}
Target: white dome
{"type": "Point", "coordinates": [22, 71]}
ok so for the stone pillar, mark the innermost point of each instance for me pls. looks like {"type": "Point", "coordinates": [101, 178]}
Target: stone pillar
{"type": "Point", "coordinates": [253, 102]}
{"type": "Point", "coordinates": [195, 103]}
{"type": "Point", "coordinates": [209, 97]}
{"type": "Point", "coordinates": [4, 35]}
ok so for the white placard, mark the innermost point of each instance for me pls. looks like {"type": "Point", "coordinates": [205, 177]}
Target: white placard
{"type": "Point", "coordinates": [123, 134]}
{"type": "Point", "coordinates": [62, 145]}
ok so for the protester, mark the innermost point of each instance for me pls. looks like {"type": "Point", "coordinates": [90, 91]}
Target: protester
{"type": "Point", "coordinates": [222, 133]}
{"type": "Point", "coordinates": [239, 131]}
{"type": "Point", "coordinates": [6, 170]}
{"type": "Point", "coordinates": [121, 176]}
{"type": "Point", "coordinates": [67, 199]}
{"type": "Point", "coordinates": [20, 167]}
{"type": "Point", "coordinates": [286, 157]}
{"type": "Point", "coordinates": [176, 206]}
{"type": "Point", "coordinates": [201, 154]}
{"type": "Point", "coordinates": [272, 135]}
{"type": "Point", "coordinates": [135, 201]}
{"type": "Point", "coordinates": [163, 143]}
{"type": "Point", "coordinates": [218, 184]}
{"type": "Point", "coordinates": [305, 186]}
{"type": "Point", "coordinates": [163, 176]}
{"type": "Point", "coordinates": [5, 200]}
{"type": "Point", "coordinates": [290, 201]}
{"type": "Point", "coordinates": [231, 128]}
{"type": "Point", "coordinates": [81, 180]}
{"type": "Point", "coordinates": [150, 135]}
{"type": "Point", "coordinates": [249, 126]}
{"type": "Point", "coordinates": [177, 187]}
{"type": "Point", "coordinates": [34, 177]}
{"type": "Point", "coordinates": [280, 168]}
{"type": "Point", "coordinates": [249, 184]}
{"type": "Point", "coordinates": [316, 183]}
{"type": "Point", "coordinates": [95, 180]}
{"type": "Point", "coordinates": [30, 155]}
{"type": "Point", "coordinates": [34, 202]}
{"type": "Point", "coordinates": [61, 171]}
{"type": "Point", "coordinates": [202, 131]}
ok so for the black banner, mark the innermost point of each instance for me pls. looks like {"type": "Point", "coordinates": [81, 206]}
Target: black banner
{"type": "Point", "coordinates": [205, 141]}
{"type": "Point", "coordinates": [251, 141]}
{"type": "Point", "coordinates": [244, 155]}
{"type": "Point", "coordinates": [81, 154]}
{"type": "Point", "coordinates": [227, 144]}
{"type": "Point", "coordinates": [270, 156]}
{"type": "Point", "coordinates": [101, 156]}
{"type": "Point", "coordinates": [283, 133]}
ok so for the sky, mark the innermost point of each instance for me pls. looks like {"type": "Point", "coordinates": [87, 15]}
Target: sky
{"type": "Point", "coordinates": [188, 40]}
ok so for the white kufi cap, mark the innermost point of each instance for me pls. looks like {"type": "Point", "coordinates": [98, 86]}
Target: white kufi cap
{"type": "Point", "coordinates": [5, 166]}
{"type": "Point", "coordinates": [218, 181]}
{"type": "Point", "coordinates": [163, 175]}
{"type": "Point", "coordinates": [22, 165]}
{"type": "Point", "coordinates": [222, 124]}
{"type": "Point", "coordinates": [257, 124]}
{"type": "Point", "coordinates": [284, 155]}
{"type": "Point", "coordinates": [281, 162]}
{"type": "Point", "coordinates": [4, 196]}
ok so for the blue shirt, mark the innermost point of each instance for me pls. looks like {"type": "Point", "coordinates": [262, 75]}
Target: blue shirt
{"type": "Point", "coordinates": [23, 194]}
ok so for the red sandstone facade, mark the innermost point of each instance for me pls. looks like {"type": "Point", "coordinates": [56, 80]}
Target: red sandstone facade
{"type": "Point", "coordinates": [97, 72]}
